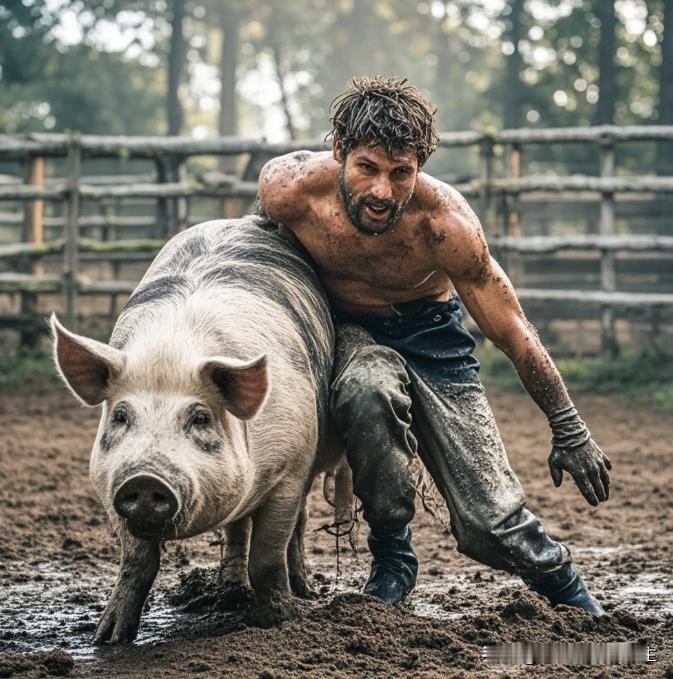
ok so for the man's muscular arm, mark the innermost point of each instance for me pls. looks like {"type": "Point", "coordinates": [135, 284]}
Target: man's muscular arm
{"type": "Point", "coordinates": [490, 298]}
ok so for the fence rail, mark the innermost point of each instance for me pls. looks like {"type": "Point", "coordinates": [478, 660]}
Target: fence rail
{"type": "Point", "coordinates": [171, 189]}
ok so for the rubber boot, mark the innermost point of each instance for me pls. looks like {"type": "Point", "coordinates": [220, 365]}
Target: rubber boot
{"type": "Point", "coordinates": [394, 565]}
{"type": "Point", "coordinates": [565, 586]}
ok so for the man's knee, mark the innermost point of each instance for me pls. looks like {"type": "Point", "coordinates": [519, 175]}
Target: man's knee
{"type": "Point", "coordinates": [371, 410]}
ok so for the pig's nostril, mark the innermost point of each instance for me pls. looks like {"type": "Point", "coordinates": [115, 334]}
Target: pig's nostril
{"type": "Point", "coordinates": [146, 501]}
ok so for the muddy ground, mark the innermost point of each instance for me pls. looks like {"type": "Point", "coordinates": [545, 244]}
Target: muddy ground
{"type": "Point", "coordinates": [58, 561]}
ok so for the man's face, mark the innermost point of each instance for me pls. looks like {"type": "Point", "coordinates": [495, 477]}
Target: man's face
{"type": "Point", "coordinates": [375, 187]}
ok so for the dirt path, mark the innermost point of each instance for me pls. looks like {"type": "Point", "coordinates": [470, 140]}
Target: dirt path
{"type": "Point", "coordinates": [58, 560]}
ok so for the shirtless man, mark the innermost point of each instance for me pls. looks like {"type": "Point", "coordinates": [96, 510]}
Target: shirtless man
{"type": "Point", "coordinates": [395, 248]}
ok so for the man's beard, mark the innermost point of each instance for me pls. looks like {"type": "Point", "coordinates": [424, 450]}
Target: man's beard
{"type": "Point", "coordinates": [355, 207]}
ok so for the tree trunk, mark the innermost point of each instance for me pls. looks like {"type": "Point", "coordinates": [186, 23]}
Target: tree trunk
{"type": "Point", "coordinates": [229, 48]}
{"type": "Point", "coordinates": [605, 112]}
{"type": "Point", "coordinates": [665, 149]}
{"type": "Point", "coordinates": [443, 79]}
{"type": "Point", "coordinates": [514, 94]}
{"type": "Point", "coordinates": [278, 64]}
{"type": "Point", "coordinates": [176, 59]}
{"type": "Point", "coordinates": [230, 20]}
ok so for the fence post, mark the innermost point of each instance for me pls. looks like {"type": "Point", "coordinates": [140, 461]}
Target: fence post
{"type": "Point", "coordinates": [33, 233]}
{"type": "Point", "coordinates": [182, 202]}
{"type": "Point", "coordinates": [486, 188]}
{"type": "Point", "coordinates": [609, 346]}
{"type": "Point", "coordinates": [514, 262]}
{"type": "Point", "coordinates": [163, 228]}
{"type": "Point", "coordinates": [70, 263]}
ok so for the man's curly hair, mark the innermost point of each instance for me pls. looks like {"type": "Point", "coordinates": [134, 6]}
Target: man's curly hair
{"type": "Point", "coordinates": [384, 112]}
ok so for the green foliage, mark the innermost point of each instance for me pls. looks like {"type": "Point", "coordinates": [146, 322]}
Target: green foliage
{"type": "Point", "coordinates": [29, 368]}
{"type": "Point", "coordinates": [646, 377]}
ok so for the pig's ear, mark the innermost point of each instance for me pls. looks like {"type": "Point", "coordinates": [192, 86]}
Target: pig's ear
{"type": "Point", "coordinates": [85, 364]}
{"type": "Point", "coordinates": [242, 385]}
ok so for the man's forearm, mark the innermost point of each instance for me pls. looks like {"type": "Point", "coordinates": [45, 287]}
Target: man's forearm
{"type": "Point", "coordinates": [538, 374]}
{"type": "Point", "coordinates": [545, 385]}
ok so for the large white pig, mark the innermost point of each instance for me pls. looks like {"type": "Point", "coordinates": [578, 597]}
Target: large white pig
{"type": "Point", "coordinates": [214, 390]}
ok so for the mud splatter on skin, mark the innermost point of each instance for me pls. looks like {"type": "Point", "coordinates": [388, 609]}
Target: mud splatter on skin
{"type": "Point", "coordinates": [540, 376]}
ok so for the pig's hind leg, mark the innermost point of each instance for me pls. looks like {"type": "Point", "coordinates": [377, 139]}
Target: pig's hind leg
{"type": "Point", "coordinates": [139, 566]}
{"type": "Point", "coordinates": [273, 524]}
{"type": "Point", "coordinates": [235, 591]}
{"type": "Point", "coordinates": [296, 560]}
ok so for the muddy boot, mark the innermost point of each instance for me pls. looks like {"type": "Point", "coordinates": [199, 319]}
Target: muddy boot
{"type": "Point", "coordinates": [565, 586]}
{"type": "Point", "coordinates": [394, 565]}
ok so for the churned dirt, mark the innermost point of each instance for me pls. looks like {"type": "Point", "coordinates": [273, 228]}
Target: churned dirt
{"type": "Point", "coordinates": [58, 561]}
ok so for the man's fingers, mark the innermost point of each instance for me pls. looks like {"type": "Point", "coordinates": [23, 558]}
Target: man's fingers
{"type": "Point", "coordinates": [605, 478]}
{"type": "Point", "coordinates": [556, 474]}
{"type": "Point", "coordinates": [597, 483]}
{"type": "Point", "coordinates": [586, 489]}
{"type": "Point", "coordinates": [606, 461]}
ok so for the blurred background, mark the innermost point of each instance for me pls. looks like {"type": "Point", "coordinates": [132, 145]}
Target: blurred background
{"type": "Point", "coordinates": [580, 217]}
{"type": "Point", "coordinates": [270, 67]}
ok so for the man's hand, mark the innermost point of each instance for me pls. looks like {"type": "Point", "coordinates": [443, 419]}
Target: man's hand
{"type": "Point", "coordinates": [588, 466]}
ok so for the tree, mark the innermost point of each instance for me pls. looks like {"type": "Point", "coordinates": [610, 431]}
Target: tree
{"type": "Point", "coordinates": [514, 94]}
{"type": "Point", "coordinates": [665, 150]}
{"type": "Point", "coordinates": [605, 112]}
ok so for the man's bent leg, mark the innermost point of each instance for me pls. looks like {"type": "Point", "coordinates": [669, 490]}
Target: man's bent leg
{"type": "Point", "coordinates": [461, 447]}
{"type": "Point", "coordinates": [370, 408]}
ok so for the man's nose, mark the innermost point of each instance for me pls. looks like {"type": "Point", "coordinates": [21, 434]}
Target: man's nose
{"type": "Point", "coordinates": [382, 190]}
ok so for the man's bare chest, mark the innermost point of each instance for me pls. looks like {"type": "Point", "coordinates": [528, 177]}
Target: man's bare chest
{"type": "Point", "coordinates": [398, 259]}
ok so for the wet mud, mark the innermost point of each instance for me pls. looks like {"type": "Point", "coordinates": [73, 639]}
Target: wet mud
{"type": "Point", "coordinates": [58, 563]}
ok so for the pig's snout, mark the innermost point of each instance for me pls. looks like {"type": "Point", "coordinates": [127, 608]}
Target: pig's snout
{"type": "Point", "coordinates": [147, 503]}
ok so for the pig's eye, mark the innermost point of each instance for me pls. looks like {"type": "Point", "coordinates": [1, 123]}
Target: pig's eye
{"type": "Point", "coordinates": [120, 416]}
{"type": "Point", "coordinates": [200, 419]}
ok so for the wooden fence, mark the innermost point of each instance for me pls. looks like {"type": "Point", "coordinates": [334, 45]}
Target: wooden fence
{"type": "Point", "coordinates": [499, 199]}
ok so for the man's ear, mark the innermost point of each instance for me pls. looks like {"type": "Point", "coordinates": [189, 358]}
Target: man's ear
{"type": "Point", "coordinates": [337, 149]}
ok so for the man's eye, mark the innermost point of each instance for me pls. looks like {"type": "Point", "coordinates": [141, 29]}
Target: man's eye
{"type": "Point", "coordinates": [366, 167]}
{"type": "Point", "coordinates": [200, 419]}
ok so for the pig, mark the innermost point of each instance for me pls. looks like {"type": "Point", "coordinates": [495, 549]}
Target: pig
{"type": "Point", "coordinates": [214, 389]}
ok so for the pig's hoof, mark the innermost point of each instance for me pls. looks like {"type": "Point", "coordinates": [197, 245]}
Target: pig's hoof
{"type": "Point", "coordinates": [116, 627]}
{"type": "Point", "coordinates": [233, 596]}
{"type": "Point", "coordinates": [301, 588]}
{"type": "Point", "coordinates": [273, 612]}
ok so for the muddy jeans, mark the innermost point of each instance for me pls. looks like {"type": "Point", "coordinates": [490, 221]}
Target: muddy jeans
{"type": "Point", "coordinates": [410, 384]}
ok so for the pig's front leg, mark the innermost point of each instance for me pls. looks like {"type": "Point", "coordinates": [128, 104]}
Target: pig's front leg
{"type": "Point", "coordinates": [273, 524]}
{"type": "Point", "coordinates": [139, 566]}
{"type": "Point", "coordinates": [233, 575]}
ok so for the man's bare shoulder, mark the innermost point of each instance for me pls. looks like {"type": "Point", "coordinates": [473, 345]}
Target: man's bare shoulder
{"type": "Point", "coordinates": [444, 204]}
{"type": "Point", "coordinates": [457, 233]}
{"type": "Point", "coordinates": [287, 182]}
